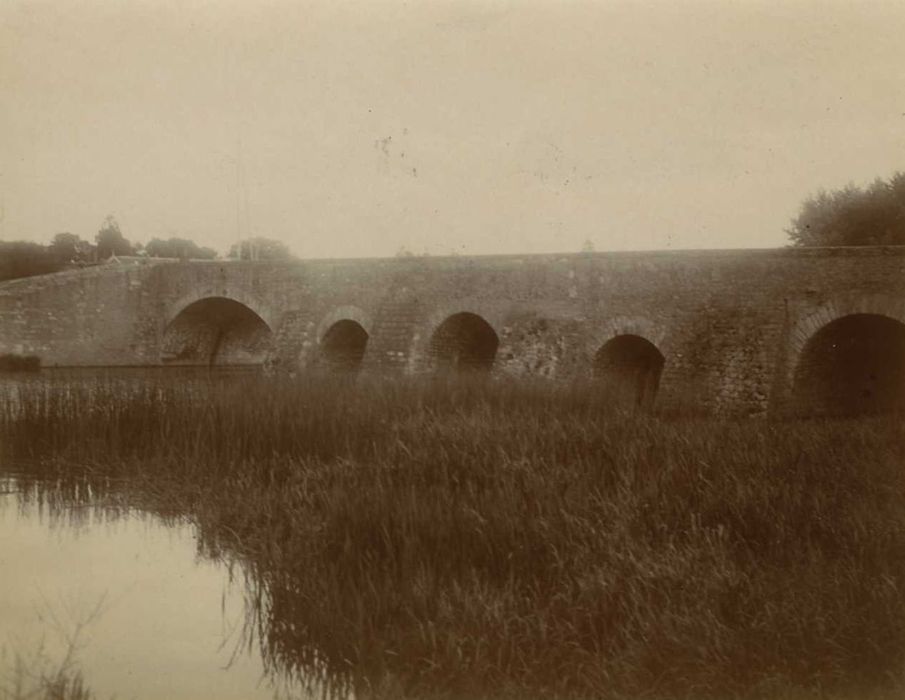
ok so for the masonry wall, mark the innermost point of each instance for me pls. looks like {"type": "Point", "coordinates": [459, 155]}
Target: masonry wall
{"type": "Point", "coordinates": [730, 324]}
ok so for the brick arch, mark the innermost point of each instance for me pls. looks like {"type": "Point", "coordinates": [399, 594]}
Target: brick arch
{"type": "Point", "coordinates": [810, 323]}
{"type": "Point", "coordinates": [219, 326]}
{"type": "Point", "coordinates": [342, 338]}
{"type": "Point", "coordinates": [626, 359]}
{"type": "Point", "coordinates": [846, 357]}
{"type": "Point", "coordinates": [216, 331]}
{"type": "Point", "coordinates": [613, 327]}
{"type": "Point", "coordinates": [233, 293]}
{"type": "Point", "coordinates": [420, 353]}
{"type": "Point", "coordinates": [344, 313]}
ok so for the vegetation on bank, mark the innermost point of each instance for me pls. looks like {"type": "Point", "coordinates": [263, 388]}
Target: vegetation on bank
{"type": "Point", "coordinates": [25, 258]}
{"type": "Point", "coordinates": [11, 362]}
{"type": "Point", "coordinates": [433, 539]}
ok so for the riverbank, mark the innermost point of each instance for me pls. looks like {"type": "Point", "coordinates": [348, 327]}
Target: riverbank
{"type": "Point", "coordinates": [434, 539]}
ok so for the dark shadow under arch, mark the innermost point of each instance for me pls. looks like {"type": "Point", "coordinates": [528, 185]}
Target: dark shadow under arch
{"type": "Point", "coordinates": [343, 346]}
{"type": "Point", "coordinates": [463, 342]}
{"type": "Point", "coordinates": [854, 365]}
{"type": "Point", "coordinates": [216, 331]}
{"type": "Point", "coordinates": [628, 367]}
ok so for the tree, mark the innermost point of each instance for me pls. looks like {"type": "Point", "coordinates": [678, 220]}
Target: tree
{"type": "Point", "coordinates": [852, 216]}
{"type": "Point", "coordinates": [68, 247]}
{"type": "Point", "coordinates": [110, 240]}
{"type": "Point", "coordinates": [24, 259]}
{"type": "Point", "coordinates": [178, 248]}
{"type": "Point", "coordinates": [260, 249]}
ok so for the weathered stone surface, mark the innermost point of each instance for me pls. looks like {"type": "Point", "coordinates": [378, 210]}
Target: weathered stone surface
{"type": "Point", "coordinates": [731, 325]}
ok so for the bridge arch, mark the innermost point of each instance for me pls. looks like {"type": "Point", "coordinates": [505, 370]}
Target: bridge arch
{"type": "Point", "coordinates": [344, 313]}
{"type": "Point", "coordinates": [628, 367]}
{"type": "Point", "coordinates": [627, 355]}
{"type": "Point", "coordinates": [626, 325]}
{"type": "Point", "coordinates": [464, 341]}
{"type": "Point", "coordinates": [209, 329]}
{"type": "Point", "coordinates": [342, 338]}
{"type": "Point", "coordinates": [849, 359]}
{"type": "Point", "coordinates": [232, 292]}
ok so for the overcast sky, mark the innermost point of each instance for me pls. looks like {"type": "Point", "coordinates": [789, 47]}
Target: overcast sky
{"type": "Point", "coordinates": [353, 129]}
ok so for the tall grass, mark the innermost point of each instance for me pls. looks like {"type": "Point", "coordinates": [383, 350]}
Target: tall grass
{"type": "Point", "coordinates": [443, 539]}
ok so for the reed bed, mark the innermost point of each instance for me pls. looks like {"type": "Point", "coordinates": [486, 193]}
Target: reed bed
{"type": "Point", "coordinates": [466, 539]}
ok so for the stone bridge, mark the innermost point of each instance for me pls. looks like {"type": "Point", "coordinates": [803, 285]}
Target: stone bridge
{"type": "Point", "coordinates": [734, 332]}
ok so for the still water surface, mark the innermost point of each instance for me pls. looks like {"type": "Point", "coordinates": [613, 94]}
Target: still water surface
{"type": "Point", "coordinates": [169, 620]}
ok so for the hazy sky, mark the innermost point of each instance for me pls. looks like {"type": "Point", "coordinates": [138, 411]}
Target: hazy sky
{"type": "Point", "coordinates": [480, 127]}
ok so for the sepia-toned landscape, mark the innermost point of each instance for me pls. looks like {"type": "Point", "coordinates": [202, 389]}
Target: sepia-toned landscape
{"type": "Point", "coordinates": [452, 351]}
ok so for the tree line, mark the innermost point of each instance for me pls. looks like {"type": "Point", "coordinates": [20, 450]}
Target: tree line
{"type": "Point", "coordinates": [851, 216]}
{"type": "Point", "coordinates": [24, 258]}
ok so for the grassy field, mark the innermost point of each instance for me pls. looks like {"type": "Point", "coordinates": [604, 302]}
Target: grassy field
{"type": "Point", "coordinates": [466, 540]}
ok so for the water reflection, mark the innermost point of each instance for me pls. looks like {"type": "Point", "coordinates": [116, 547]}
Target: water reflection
{"type": "Point", "coordinates": [170, 622]}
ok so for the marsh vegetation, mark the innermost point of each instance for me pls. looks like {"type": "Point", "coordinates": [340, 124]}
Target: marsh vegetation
{"type": "Point", "coordinates": [472, 539]}
{"type": "Point", "coordinates": [19, 363]}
